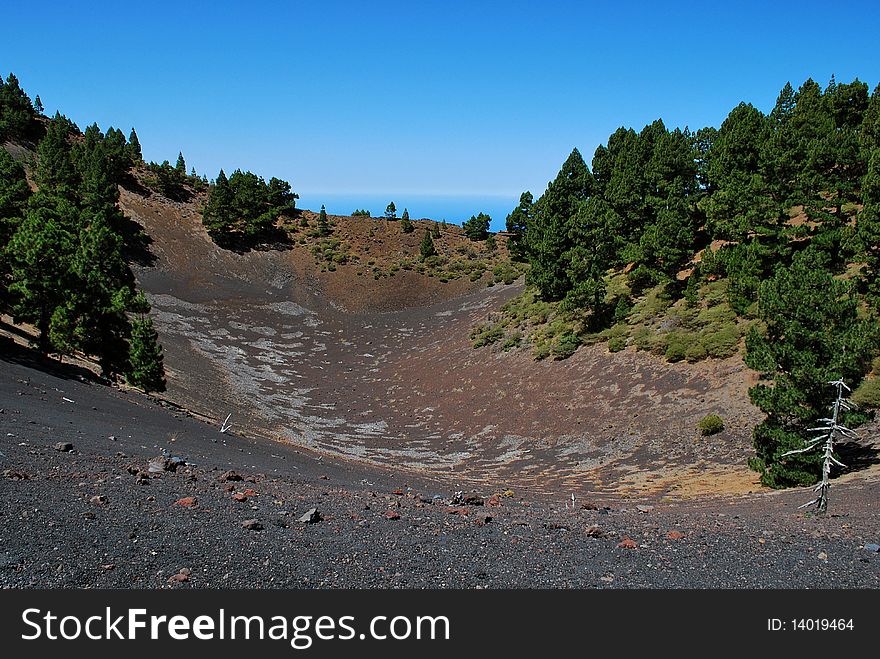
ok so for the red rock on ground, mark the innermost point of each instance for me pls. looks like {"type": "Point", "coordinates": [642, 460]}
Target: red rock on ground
{"type": "Point", "coordinates": [187, 502]}
{"type": "Point", "coordinates": [627, 543]}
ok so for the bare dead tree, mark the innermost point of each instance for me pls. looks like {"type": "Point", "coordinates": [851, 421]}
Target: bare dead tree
{"type": "Point", "coordinates": [829, 431]}
{"type": "Point", "coordinates": [225, 426]}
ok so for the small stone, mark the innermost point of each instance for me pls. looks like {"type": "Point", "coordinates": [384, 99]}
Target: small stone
{"type": "Point", "coordinates": [871, 546]}
{"type": "Point", "coordinates": [675, 535]}
{"type": "Point", "coordinates": [178, 578]}
{"type": "Point", "coordinates": [761, 541]}
{"type": "Point", "coordinates": [473, 500]}
{"type": "Point", "coordinates": [311, 516]}
{"type": "Point", "coordinates": [507, 493]}
{"type": "Point", "coordinates": [644, 509]}
{"type": "Point", "coordinates": [593, 531]}
{"type": "Point", "coordinates": [185, 571]}
{"type": "Point", "coordinates": [627, 543]}
{"type": "Point", "coordinates": [250, 493]}
{"type": "Point", "coordinates": [230, 476]}
{"type": "Point", "coordinates": [108, 566]}
{"type": "Point", "coordinates": [822, 556]}
{"type": "Point", "coordinates": [493, 501]}
{"type": "Point", "coordinates": [252, 525]}
{"type": "Point", "coordinates": [392, 514]}
{"type": "Point", "coordinates": [99, 500]}
{"type": "Point", "coordinates": [187, 502]}
{"type": "Point", "coordinates": [398, 492]}
{"type": "Point", "coordinates": [239, 496]}
{"type": "Point", "coordinates": [64, 447]}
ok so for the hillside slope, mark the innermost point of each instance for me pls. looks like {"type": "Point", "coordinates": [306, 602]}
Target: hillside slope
{"type": "Point", "coordinates": [265, 335]}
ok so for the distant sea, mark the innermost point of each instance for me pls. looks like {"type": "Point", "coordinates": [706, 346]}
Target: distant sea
{"type": "Point", "coordinates": [454, 209]}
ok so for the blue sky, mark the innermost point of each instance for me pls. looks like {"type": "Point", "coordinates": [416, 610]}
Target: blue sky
{"type": "Point", "coordinates": [456, 98]}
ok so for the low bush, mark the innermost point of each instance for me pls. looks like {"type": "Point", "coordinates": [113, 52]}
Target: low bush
{"type": "Point", "coordinates": [711, 424]}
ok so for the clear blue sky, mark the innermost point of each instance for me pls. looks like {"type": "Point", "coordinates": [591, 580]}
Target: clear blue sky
{"type": "Point", "coordinates": [432, 97]}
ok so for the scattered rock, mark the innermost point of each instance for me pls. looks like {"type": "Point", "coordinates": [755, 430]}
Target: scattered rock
{"type": "Point", "coordinates": [15, 475]}
{"type": "Point", "coordinates": [250, 493]}
{"type": "Point", "coordinates": [593, 531]}
{"type": "Point", "coordinates": [493, 501]}
{"type": "Point", "coordinates": [822, 556]}
{"type": "Point", "coordinates": [230, 476]}
{"type": "Point", "coordinates": [871, 546]}
{"type": "Point", "coordinates": [483, 520]}
{"type": "Point", "coordinates": [180, 577]}
{"type": "Point", "coordinates": [392, 514]}
{"type": "Point", "coordinates": [457, 511]}
{"type": "Point", "coordinates": [239, 496]}
{"type": "Point", "coordinates": [627, 543]}
{"type": "Point", "coordinates": [473, 500]}
{"type": "Point", "coordinates": [398, 492]}
{"type": "Point", "coordinates": [644, 509]}
{"type": "Point", "coordinates": [507, 493]}
{"type": "Point", "coordinates": [675, 535]}
{"type": "Point", "coordinates": [64, 447]}
{"type": "Point", "coordinates": [187, 502]}
{"type": "Point", "coordinates": [252, 525]}
{"type": "Point", "coordinates": [311, 516]}
{"type": "Point", "coordinates": [108, 566]}
{"type": "Point", "coordinates": [99, 500]}
{"type": "Point", "coordinates": [160, 464]}
{"type": "Point", "coordinates": [589, 506]}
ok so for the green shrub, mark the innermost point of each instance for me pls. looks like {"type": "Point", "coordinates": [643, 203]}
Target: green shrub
{"type": "Point", "coordinates": [722, 342]}
{"type": "Point", "coordinates": [565, 345]}
{"type": "Point", "coordinates": [868, 393]}
{"type": "Point", "coordinates": [675, 350]}
{"type": "Point", "coordinates": [711, 424]}
{"type": "Point", "coordinates": [617, 343]}
{"type": "Point", "coordinates": [696, 352]}
{"type": "Point", "coordinates": [541, 351]}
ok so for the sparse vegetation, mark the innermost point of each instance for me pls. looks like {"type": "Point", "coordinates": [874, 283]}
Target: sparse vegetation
{"type": "Point", "coordinates": [711, 424]}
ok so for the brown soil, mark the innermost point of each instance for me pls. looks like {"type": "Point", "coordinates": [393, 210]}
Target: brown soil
{"type": "Point", "coordinates": [382, 372]}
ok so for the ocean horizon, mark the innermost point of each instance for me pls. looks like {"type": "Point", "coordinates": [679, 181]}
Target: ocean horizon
{"type": "Point", "coordinates": [453, 209]}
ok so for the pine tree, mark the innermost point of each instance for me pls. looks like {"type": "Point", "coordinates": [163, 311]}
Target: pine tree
{"type": "Point", "coordinates": [868, 229]}
{"type": "Point", "coordinates": [218, 215]}
{"type": "Point", "coordinates": [180, 167]}
{"type": "Point", "coordinates": [134, 148]}
{"type": "Point", "coordinates": [516, 224]}
{"type": "Point", "coordinates": [391, 211]}
{"type": "Point", "coordinates": [14, 195]}
{"type": "Point", "coordinates": [146, 362]}
{"type": "Point", "coordinates": [427, 248]}
{"type": "Point", "coordinates": [435, 230]}
{"type": "Point", "coordinates": [405, 224]}
{"type": "Point", "coordinates": [548, 236]}
{"type": "Point", "coordinates": [323, 224]}
{"type": "Point", "coordinates": [740, 203]}
{"type": "Point", "coordinates": [40, 255]}
{"type": "Point", "coordinates": [814, 335]}
{"type": "Point", "coordinates": [477, 227]}
{"type": "Point", "coordinates": [16, 111]}
{"type": "Point", "coordinates": [56, 172]}
{"type": "Point", "coordinates": [38, 105]}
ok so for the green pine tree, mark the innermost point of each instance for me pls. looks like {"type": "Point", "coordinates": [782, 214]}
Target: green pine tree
{"type": "Point", "coordinates": [323, 224]}
{"type": "Point", "coordinates": [405, 224]}
{"type": "Point", "coordinates": [391, 211]}
{"type": "Point", "coordinates": [548, 236]}
{"type": "Point", "coordinates": [146, 362]}
{"type": "Point", "coordinates": [516, 224]}
{"type": "Point", "coordinates": [427, 248]}
{"type": "Point", "coordinates": [134, 148]}
{"type": "Point", "coordinates": [814, 334]}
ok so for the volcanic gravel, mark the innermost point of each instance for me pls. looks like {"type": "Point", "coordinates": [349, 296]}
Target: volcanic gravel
{"type": "Point", "coordinates": [96, 516]}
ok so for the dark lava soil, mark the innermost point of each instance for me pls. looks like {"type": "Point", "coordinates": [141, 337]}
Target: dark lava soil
{"type": "Point", "coordinates": [80, 508]}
